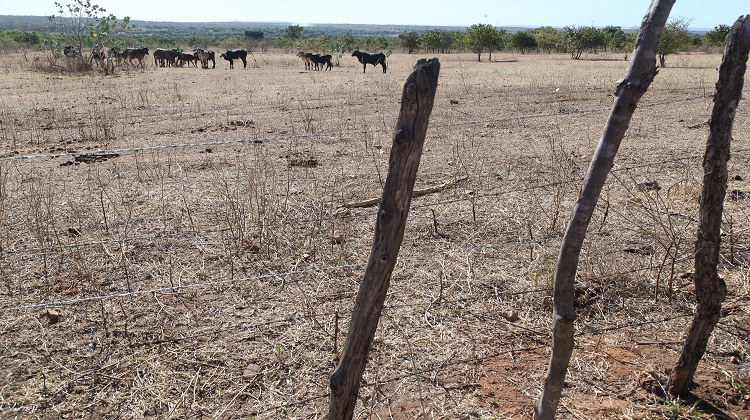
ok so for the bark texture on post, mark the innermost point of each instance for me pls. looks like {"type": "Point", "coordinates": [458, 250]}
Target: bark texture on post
{"type": "Point", "coordinates": [638, 77]}
{"type": "Point", "coordinates": [408, 141]}
{"type": "Point", "coordinates": [710, 289]}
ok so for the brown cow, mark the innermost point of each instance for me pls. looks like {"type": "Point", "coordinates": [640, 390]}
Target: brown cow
{"type": "Point", "coordinates": [306, 58]}
{"type": "Point", "coordinates": [204, 56]}
{"type": "Point", "coordinates": [139, 54]}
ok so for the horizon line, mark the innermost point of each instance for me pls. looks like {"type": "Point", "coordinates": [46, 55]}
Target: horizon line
{"type": "Point", "coordinates": [309, 24]}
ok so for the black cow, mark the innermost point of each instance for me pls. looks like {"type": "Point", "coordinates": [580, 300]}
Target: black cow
{"type": "Point", "coordinates": [321, 60]}
{"type": "Point", "coordinates": [98, 57]}
{"type": "Point", "coordinates": [70, 51]}
{"type": "Point", "coordinates": [188, 58]}
{"type": "Point", "coordinates": [235, 54]}
{"type": "Point", "coordinates": [166, 58]}
{"type": "Point", "coordinates": [373, 59]}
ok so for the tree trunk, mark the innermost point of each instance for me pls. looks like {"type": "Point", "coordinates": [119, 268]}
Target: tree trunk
{"type": "Point", "coordinates": [710, 289]}
{"type": "Point", "coordinates": [408, 140]}
{"type": "Point", "coordinates": [637, 79]}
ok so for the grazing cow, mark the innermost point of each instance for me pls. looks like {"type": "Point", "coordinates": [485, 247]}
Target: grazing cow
{"type": "Point", "coordinates": [115, 55]}
{"type": "Point", "coordinates": [373, 59]}
{"type": "Point", "coordinates": [234, 55]}
{"type": "Point", "coordinates": [98, 58]}
{"type": "Point", "coordinates": [103, 61]}
{"type": "Point", "coordinates": [166, 58]}
{"type": "Point", "coordinates": [139, 54]}
{"type": "Point", "coordinates": [70, 51]}
{"type": "Point", "coordinates": [306, 58]}
{"type": "Point", "coordinates": [204, 56]}
{"type": "Point", "coordinates": [188, 58]}
{"type": "Point", "coordinates": [322, 62]}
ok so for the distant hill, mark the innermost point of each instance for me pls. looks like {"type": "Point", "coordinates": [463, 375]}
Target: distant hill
{"type": "Point", "coordinates": [25, 23]}
{"type": "Point", "coordinates": [42, 24]}
{"type": "Point", "coordinates": [270, 29]}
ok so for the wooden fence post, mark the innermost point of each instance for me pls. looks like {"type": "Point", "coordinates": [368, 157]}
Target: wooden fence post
{"type": "Point", "coordinates": [408, 140]}
{"type": "Point", "coordinates": [638, 77]}
{"type": "Point", "coordinates": [710, 289]}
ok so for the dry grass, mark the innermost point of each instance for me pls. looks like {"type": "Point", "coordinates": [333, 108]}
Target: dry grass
{"type": "Point", "coordinates": [259, 212]}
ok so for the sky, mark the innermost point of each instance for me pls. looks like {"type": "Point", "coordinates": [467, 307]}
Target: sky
{"type": "Point", "coordinates": [530, 13]}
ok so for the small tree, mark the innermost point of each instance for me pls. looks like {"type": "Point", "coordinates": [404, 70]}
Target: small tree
{"type": "Point", "coordinates": [292, 38]}
{"type": "Point", "coordinates": [293, 32]}
{"type": "Point", "coordinates": [84, 24]}
{"type": "Point", "coordinates": [523, 41]}
{"type": "Point", "coordinates": [410, 41]}
{"type": "Point", "coordinates": [549, 39]}
{"type": "Point", "coordinates": [481, 37]}
{"type": "Point", "coordinates": [674, 38]}
{"type": "Point", "coordinates": [254, 38]}
{"type": "Point", "coordinates": [343, 44]}
{"type": "Point", "coordinates": [381, 42]}
{"type": "Point", "coordinates": [583, 38]}
{"type": "Point", "coordinates": [717, 36]}
{"type": "Point", "coordinates": [254, 34]}
{"type": "Point", "coordinates": [615, 39]}
{"type": "Point", "coordinates": [440, 41]}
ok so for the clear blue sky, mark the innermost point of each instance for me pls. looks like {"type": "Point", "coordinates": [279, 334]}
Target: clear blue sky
{"type": "Point", "coordinates": [625, 13]}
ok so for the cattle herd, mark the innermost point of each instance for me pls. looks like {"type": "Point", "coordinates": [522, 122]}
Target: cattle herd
{"type": "Point", "coordinates": [179, 58]}
{"type": "Point", "coordinates": [175, 58]}
{"type": "Point", "coordinates": [316, 61]}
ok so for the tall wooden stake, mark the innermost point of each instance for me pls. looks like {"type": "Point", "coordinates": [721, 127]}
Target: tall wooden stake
{"type": "Point", "coordinates": [637, 79]}
{"type": "Point", "coordinates": [408, 140]}
{"type": "Point", "coordinates": [710, 289]}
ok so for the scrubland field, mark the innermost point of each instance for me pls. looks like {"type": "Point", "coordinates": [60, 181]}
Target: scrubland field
{"type": "Point", "coordinates": [175, 243]}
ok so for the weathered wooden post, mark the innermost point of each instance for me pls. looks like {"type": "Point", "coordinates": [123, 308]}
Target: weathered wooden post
{"type": "Point", "coordinates": [637, 79]}
{"type": "Point", "coordinates": [408, 140]}
{"type": "Point", "coordinates": [710, 289]}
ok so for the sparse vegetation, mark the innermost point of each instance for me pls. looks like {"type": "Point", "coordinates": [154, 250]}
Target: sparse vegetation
{"type": "Point", "coordinates": [675, 38]}
{"type": "Point", "coordinates": [82, 30]}
{"type": "Point", "coordinates": [258, 262]}
{"type": "Point", "coordinates": [482, 38]}
{"type": "Point", "coordinates": [328, 38]}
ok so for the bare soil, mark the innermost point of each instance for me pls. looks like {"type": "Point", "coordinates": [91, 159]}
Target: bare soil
{"type": "Point", "coordinates": [174, 241]}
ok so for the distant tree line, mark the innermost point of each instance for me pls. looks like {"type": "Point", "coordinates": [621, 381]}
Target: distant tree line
{"type": "Point", "coordinates": [486, 39]}
{"type": "Point", "coordinates": [15, 39]}
{"type": "Point", "coordinates": [481, 39]}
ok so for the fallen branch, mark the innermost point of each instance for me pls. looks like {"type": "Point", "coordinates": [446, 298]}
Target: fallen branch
{"type": "Point", "coordinates": [658, 343]}
{"type": "Point", "coordinates": [416, 193]}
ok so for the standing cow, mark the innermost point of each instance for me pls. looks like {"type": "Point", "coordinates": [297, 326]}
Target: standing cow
{"type": "Point", "coordinates": [234, 55]}
{"type": "Point", "coordinates": [373, 59]}
{"type": "Point", "coordinates": [204, 56]}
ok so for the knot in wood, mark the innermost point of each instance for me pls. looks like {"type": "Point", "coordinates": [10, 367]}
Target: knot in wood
{"type": "Point", "coordinates": [402, 135]}
{"type": "Point", "coordinates": [338, 380]}
{"type": "Point", "coordinates": [566, 318]}
{"type": "Point", "coordinates": [384, 214]}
